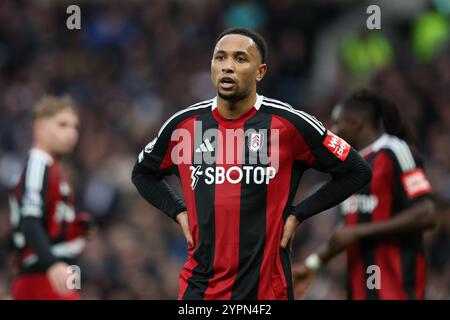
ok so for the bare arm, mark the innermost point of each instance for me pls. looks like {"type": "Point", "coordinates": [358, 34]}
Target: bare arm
{"type": "Point", "coordinates": [417, 218]}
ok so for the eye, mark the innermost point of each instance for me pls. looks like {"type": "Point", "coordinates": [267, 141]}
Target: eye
{"type": "Point", "coordinates": [241, 59]}
{"type": "Point", "coordinates": [219, 58]}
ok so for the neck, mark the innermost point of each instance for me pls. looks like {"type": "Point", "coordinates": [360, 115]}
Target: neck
{"type": "Point", "coordinates": [234, 109]}
{"type": "Point", "coordinates": [367, 137]}
{"type": "Point", "coordinates": [42, 147]}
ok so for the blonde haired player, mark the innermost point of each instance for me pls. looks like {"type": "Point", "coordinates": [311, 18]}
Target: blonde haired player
{"type": "Point", "coordinates": [48, 234]}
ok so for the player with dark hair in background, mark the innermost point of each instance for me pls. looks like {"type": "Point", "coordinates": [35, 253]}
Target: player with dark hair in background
{"type": "Point", "coordinates": [48, 234]}
{"type": "Point", "coordinates": [240, 158]}
{"type": "Point", "coordinates": [384, 221]}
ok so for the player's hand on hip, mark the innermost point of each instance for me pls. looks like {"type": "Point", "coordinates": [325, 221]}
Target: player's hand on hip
{"type": "Point", "coordinates": [183, 220]}
{"type": "Point", "coordinates": [57, 275]}
{"type": "Point", "coordinates": [303, 277]}
{"type": "Point", "coordinates": [290, 227]}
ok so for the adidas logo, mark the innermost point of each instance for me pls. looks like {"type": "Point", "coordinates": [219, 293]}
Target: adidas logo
{"type": "Point", "coordinates": [206, 146]}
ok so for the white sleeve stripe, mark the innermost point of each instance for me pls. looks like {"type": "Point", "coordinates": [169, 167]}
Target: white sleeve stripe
{"type": "Point", "coordinates": [409, 155]}
{"type": "Point", "coordinates": [296, 112]}
{"type": "Point", "coordinates": [278, 101]}
{"type": "Point", "coordinates": [200, 103]}
{"type": "Point", "coordinates": [403, 154]}
{"type": "Point", "coordinates": [409, 161]}
{"type": "Point", "coordinates": [312, 118]}
{"type": "Point", "coordinates": [193, 107]}
{"type": "Point", "coordinates": [401, 160]}
{"type": "Point", "coordinates": [29, 211]}
{"type": "Point", "coordinates": [30, 171]}
{"type": "Point", "coordinates": [35, 174]}
{"type": "Point", "coordinates": [34, 180]}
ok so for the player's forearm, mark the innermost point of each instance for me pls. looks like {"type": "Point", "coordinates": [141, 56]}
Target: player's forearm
{"type": "Point", "coordinates": [339, 188]}
{"type": "Point", "coordinates": [321, 256]}
{"type": "Point", "coordinates": [326, 252]}
{"type": "Point", "coordinates": [157, 192]}
{"type": "Point", "coordinates": [37, 239]}
{"type": "Point", "coordinates": [417, 218]}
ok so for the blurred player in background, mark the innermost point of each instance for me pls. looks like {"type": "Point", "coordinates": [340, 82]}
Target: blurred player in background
{"type": "Point", "coordinates": [241, 159]}
{"type": "Point", "coordinates": [48, 234]}
{"type": "Point", "coordinates": [384, 221]}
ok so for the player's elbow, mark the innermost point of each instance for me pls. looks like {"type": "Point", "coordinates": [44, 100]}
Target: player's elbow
{"type": "Point", "coordinates": [136, 174]}
{"type": "Point", "coordinates": [423, 215]}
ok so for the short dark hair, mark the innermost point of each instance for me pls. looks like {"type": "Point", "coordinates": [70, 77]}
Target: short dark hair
{"type": "Point", "coordinates": [255, 36]}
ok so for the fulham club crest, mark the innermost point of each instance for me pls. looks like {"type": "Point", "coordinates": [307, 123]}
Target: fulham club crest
{"type": "Point", "coordinates": [255, 141]}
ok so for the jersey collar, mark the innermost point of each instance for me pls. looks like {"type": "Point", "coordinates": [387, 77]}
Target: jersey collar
{"type": "Point", "coordinates": [35, 152]}
{"type": "Point", "coordinates": [257, 103]}
{"type": "Point", "coordinates": [374, 146]}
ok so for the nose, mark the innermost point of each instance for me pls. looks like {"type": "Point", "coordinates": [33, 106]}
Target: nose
{"type": "Point", "coordinates": [227, 66]}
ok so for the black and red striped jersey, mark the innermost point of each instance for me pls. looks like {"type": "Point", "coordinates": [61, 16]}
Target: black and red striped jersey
{"type": "Point", "coordinates": [398, 181]}
{"type": "Point", "coordinates": [239, 178]}
{"type": "Point", "coordinates": [44, 194]}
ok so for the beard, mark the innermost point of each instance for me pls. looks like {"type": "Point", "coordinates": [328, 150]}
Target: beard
{"type": "Point", "coordinates": [234, 96]}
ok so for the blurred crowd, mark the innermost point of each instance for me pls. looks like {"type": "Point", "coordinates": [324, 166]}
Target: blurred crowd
{"type": "Point", "coordinates": [136, 62]}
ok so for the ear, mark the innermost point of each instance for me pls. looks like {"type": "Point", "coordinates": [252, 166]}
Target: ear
{"type": "Point", "coordinates": [262, 70]}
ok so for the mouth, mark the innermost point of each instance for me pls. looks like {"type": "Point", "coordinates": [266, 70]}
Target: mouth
{"type": "Point", "coordinates": [227, 83]}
